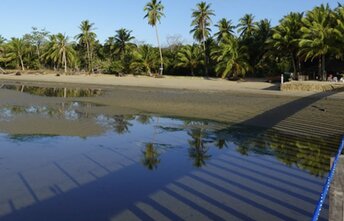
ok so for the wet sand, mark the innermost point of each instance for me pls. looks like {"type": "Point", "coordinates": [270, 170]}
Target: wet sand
{"type": "Point", "coordinates": [306, 113]}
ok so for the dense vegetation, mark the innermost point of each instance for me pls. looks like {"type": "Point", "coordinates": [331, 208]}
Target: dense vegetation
{"type": "Point", "coordinates": [309, 43]}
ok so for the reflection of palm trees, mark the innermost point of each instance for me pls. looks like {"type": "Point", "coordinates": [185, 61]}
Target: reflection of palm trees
{"type": "Point", "coordinates": [144, 119]}
{"type": "Point", "coordinates": [55, 92]}
{"type": "Point", "coordinates": [310, 154]}
{"type": "Point", "coordinates": [151, 157]}
{"type": "Point", "coordinates": [243, 149]}
{"type": "Point", "coordinates": [221, 143]}
{"type": "Point", "coordinates": [122, 123]}
{"type": "Point", "coordinates": [198, 151]}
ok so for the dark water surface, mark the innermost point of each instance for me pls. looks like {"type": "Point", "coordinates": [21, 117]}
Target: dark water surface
{"type": "Point", "coordinates": [159, 168]}
{"type": "Point", "coordinates": [53, 91]}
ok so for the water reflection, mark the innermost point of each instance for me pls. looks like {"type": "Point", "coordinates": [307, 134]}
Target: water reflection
{"type": "Point", "coordinates": [198, 150]}
{"type": "Point", "coordinates": [233, 166]}
{"type": "Point", "coordinates": [54, 91]}
{"type": "Point", "coordinates": [311, 154]}
{"type": "Point", "coordinates": [151, 157]}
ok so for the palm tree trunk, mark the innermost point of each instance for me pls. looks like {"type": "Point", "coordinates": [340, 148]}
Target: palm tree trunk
{"type": "Point", "coordinates": [161, 57]}
{"type": "Point", "coordinates": [204, 48]}
{"type": "Point", "coordinates": [319, 70]}
{"type": "Point", "coordinates": [39, 55]}
{"type": "Point", "coordinates": [22, 63]}
{"type": "Point", "coordinates": [324, 67]}
{"type": "Point", "coordinates": [91, 59]}
{"type": "Point", "coordinates": [294, 65]}
{"type": "Point", "coordinates": [88, 56]}
{"type": "Point", "coordinates": [64, 61]}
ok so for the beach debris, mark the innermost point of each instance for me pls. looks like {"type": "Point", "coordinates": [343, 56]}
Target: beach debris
{"type": "Point", "coordinates": [319, 108]}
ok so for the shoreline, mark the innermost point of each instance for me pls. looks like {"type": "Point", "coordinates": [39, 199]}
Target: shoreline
{"type": "Point", "coordinates": [171, 82]}
{"type": "Point", "coordinates": [255, 86]}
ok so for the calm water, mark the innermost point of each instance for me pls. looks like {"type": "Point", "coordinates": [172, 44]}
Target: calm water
{"type": "Point", "coordinates": [53, 91]}
{"type": "Point", "coordinates": [158, 168]}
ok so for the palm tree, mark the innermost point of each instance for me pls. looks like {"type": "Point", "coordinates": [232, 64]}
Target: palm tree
{"type": "Point", "coordinates": [2, 52]}
{"type": "Point", "coordinates": [16, 50]}
{"type": "Point", "coordinates": [155, 10]}
{"type": "Point", "coordinates": [122, 41]}
{"type": "Point", "coordinates": [286, 37]}
{"type": "Point", "coordinates": [201, 31]}
{"type": "Point", "coordinates": [225, 27]}
{"type": "Point", "coordinates": [232, 58]}
{"type": "Point", "coordinates": [246, 26]}
{"type": "Point", "coordinates": [87, 38]}
{"type": "Point", "coordinates": [339, 30]}
{"type": "Point", "coordinates": [60, 51]}
{"type": "Point", "coordinates": [317, 36]}
{"type": "Point", "coordinates": [145, 59]}
{"type": "Point", "coordinates": [190, 57]}
{"type": "Point", "coordinates": [110, 47]}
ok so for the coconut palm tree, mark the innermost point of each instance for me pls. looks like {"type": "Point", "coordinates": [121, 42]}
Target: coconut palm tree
{"type": "Point", "coordinates": [110, 47]}
{"type": "Point", "coordinates": [122, 41]}
{"type": "Point", "coordinates": [155, 10]}
{"type": "Point", "coordinates": [225, 27]}
{"type": "Point", "coordinates": [232, 58]}
{"type": "Point", "coordinates": [60, 51]}
{"type": "Point", "coordinates": [145, 59]}
{"type": "Point", "coordinates": [285, 38]}
{"type": "Point", "coordinates": [190, 57]}
{"type": "Point", "coordinates": [16, 50]}
{"type": "Point", "coordinates": [339, 31]}
{"type": "Point", "coordinates": [86, 39]}
{"type": "Point", "coordinates": [246, 26]}
{"type": "Point", "coordinates": [2, 52]}
{"type": "Point", "coordinates": [201, 22]}
{"type": "Point", "coordinates": [317, 36]}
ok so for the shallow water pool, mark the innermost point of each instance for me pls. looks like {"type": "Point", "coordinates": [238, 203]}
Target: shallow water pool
{"type": "Point", "coordinates": [147, 167]}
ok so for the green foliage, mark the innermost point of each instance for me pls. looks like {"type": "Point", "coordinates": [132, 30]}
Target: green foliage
{"type": "Point", "coordinates": [225, 28]}
{"type": "Point", "coordinates": [232, 58]}
{"type": "Point", "coordinates": [16, 50]}
{"type": "Point", "coordinates": [60, 52]}
{"type": "Point", "coordinates": [201, 21]}
{"type": "Point", "coordinates": [87, 39]}
{"type": "Point", "coordinates": [145, 60]}
{"type": "Point", "coordinates": [301, 43]}
{"type": "Point", "coordinates": [154, 10]}
{"type": "Point", "coordinates": [190, 57]}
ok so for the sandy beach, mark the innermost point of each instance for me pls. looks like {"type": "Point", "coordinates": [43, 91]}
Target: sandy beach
{"type": "Point", "coordinates": [256, 103]}
{"type": "Point", "coordinates": [171, 82]}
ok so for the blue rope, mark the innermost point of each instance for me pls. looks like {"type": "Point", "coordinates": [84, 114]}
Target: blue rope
{"type": "Point", "coordinates": [328, 183]}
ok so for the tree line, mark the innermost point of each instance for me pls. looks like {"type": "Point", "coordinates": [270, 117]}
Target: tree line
{"type": "Point", "coordinates": [308, 43]}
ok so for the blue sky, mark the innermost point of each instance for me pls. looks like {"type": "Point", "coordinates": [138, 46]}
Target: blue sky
{"type": "Point", "coordinates": [18, 16]}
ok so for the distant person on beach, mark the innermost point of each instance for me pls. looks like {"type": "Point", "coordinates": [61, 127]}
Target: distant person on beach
{"type": "Point", "coordinates": [330, 78]}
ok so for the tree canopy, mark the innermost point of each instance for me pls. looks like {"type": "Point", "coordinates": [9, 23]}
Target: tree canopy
{"type": "Point", "coordinates": [308, 43]}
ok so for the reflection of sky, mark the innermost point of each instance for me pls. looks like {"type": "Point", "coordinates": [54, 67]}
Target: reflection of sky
{"type": "Point", "coordinates": [40, 172]}
{"type": "Point", "coordinates": [68, 111]}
